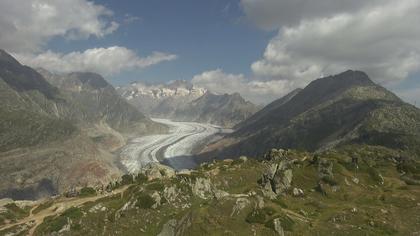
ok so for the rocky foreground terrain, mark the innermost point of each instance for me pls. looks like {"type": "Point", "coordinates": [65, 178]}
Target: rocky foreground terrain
{"type": "Point", "coordinates": [354, 190]}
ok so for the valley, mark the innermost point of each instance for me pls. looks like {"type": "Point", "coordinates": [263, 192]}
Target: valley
{"type": "Point", "coordinates": [175, 148]}
{"type": "Point", "coordinates": [179, 118]}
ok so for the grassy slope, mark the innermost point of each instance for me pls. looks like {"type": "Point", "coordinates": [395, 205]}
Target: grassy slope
{"type": "Point", "coordinates": [348, 208]}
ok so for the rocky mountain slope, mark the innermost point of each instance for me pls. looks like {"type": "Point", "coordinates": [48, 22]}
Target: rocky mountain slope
{"type": "Point", "coordinates": [225, 110]}
{"type": "Point", "coordinates": [31, 108]}
{"type": "Point", "coordinates": [54, 138]}
{"type": "Point", "coordinates": [94, 100]}
{"type": "Point", "coordinates": [354, 190]}
{"type": "Point", "coordinates": [181, 101]}
{"type": "Point", "coordinates": [331, 111]}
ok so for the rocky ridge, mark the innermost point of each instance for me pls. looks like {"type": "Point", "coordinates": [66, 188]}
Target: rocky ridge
{"type": "Point", "coordinates": [329, 112]}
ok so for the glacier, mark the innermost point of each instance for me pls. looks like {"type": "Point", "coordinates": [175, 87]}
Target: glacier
{"type": "Point", "coordinates": [180, 141]}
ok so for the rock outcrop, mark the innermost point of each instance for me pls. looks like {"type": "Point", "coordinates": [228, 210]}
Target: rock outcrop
{"type": "Point", "coordinates": [277, 179]}
{"type": "Point", "coordinates": [154, 170]}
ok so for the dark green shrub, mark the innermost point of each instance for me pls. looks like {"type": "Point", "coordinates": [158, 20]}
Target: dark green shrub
{"type": "Point", "coordinates": [280, 202]}
{"type": "Point", "coordinates": [87, 191]}
{"type": "Point", "coordinates": [126, 179]}
{"type": "Point", "coordinates": [141, 178]}
{"type": "Point", "coordinates": [55, 225]}
{"type": "Point", "coordinates": [256, 216]}
{"type": "Point", "coordinates": [236, 162]}
{"type": "Point", "coordinates": [73, 213]}
{"type": "Point", "coordinates": [329, 180]}
{"type": "Point", "coordinates": [15, 209]}
{"type": "Point", "coordinates": [157, 186]}
{"type": "Point", "coordinates": [145, 201]}
{"type": "Point", "coordinates": [269, 211]}
{"type": "Point", "coordinates": [375, 175]}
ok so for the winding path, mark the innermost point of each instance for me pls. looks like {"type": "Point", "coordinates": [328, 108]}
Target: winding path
{"type": "Point", "coordinates": [58, 207]}
{"type": "Point", "coordinates": [180, 142]}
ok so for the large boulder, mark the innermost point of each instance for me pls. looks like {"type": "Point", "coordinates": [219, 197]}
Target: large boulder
{"type": "Point", "coordinates": [325, 169]}
{"type": "Point", "coordinates": [277, 179]}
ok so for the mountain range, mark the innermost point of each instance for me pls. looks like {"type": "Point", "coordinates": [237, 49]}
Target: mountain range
{"type": "Point", "coordinates": [347, 108]}
{"type": "Point", "coordinates": [181, 101]}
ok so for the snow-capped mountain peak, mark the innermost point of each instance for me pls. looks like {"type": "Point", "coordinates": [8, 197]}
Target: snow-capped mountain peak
{"type": "Point", "coordinates": [162, 91]}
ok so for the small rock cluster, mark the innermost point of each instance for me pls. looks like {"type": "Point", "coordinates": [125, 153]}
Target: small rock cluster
{"type": "Point", "coordinates": [155, 170]}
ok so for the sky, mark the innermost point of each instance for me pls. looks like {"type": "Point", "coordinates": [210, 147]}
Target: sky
{"type": "Point", "coordinates": [262, 49]}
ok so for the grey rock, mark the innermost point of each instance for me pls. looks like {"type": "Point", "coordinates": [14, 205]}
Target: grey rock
{"type": "Point", "coordinates": [219, 194]}
{"type": "Point", "coordinates": [202, 188]}
{"type": "Point", "coordinates": [282, 181]}
{"type": "Point", "coordinates": [277, 227]}
{"type": "Point", "coordinates": [325, 169]}
{"type": "Point", "coordinates": [277, 179]}
{"type": "Point", "coordinates": [260, 202]}
{"type": "Point", "coordinates": [243, 158]}
{"type": "Point", "coordinates": [98, 207]}
{"type": "Point", "coordinates": [240, 204]}
{"type": "Point", "coordinates": [355, 180]}
{"type": "Point", "coordinates": [170, 194]}
{"type": "Point", "coordinates": [297, 192]}
{"type": "Point", "coordinates": [157, 198]}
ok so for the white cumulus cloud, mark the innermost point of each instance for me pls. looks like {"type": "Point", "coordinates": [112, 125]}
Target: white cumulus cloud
{"type": "Point", "coordinates": [27, 25]}
{"type": "Point", "coordinates": [274, 14]}
{"type": "Point", "coordinates": [323, 37]}
{"type": "Point", "coordinates": [105, 61]}
{"type": "Point", "coordinates": [256, 91]}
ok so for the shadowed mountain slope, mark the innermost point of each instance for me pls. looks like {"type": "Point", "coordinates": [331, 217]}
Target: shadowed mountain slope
{"type": "Point", "coordinates": [335, 110]}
